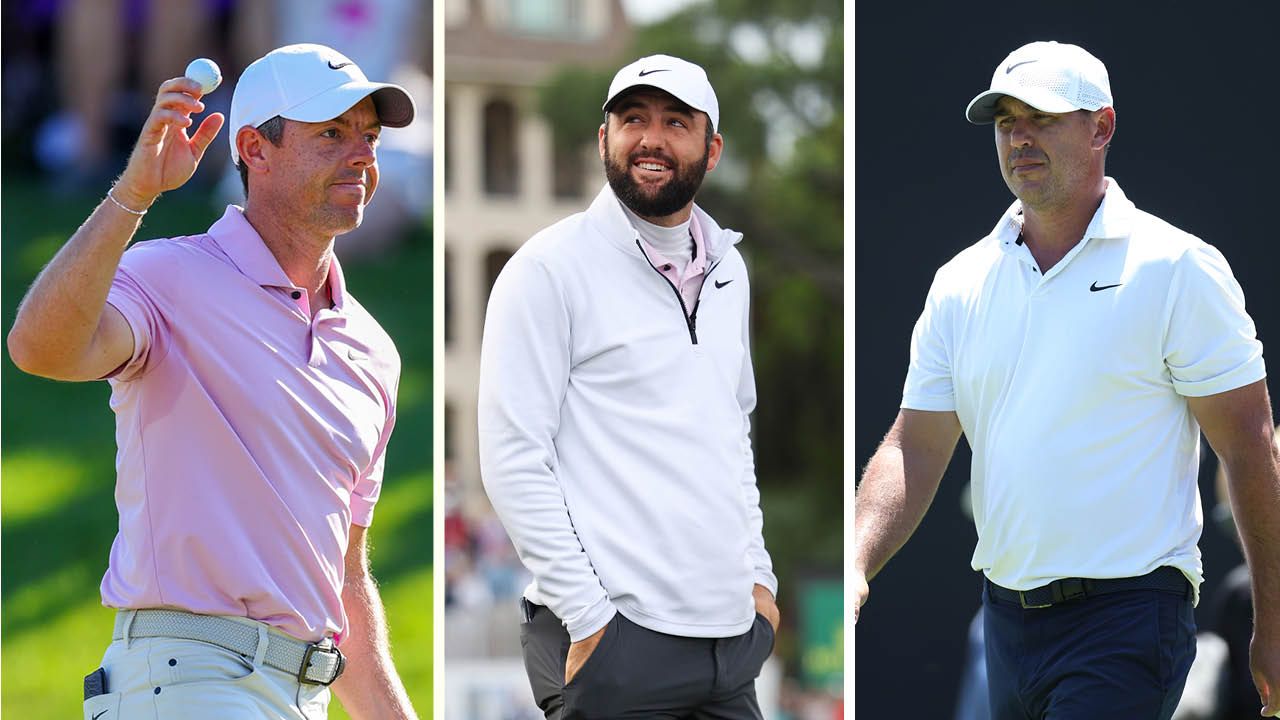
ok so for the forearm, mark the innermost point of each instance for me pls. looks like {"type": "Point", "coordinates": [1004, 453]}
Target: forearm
{"type": "Point", "coordinates": [1239, 427]}
{"type": "Point", "coordinates": [899, 484]}
{"type": "Point", "coordinates": [887, 510]}
{"type": "Point", "coordinates": [370, 686]}
{"type": "Point", "coordinates": [62, 312]}
{"type": "Point", "coordinates": [63, 329]}
{"type": "Point", "coordinates": [1254, 486]}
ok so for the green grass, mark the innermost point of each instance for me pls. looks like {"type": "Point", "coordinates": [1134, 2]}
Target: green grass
{"type": "Point", "coordinates": [57, 514]}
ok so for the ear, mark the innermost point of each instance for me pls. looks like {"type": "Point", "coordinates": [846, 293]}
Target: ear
{"type": "Point", "coordinates": [251, 147]}
{"type": "Point", "coordinates": [600, 140]}
{"type": "Point", "coordinates": [713, 152]}
{"type": "Point", "coordinates": [1104, 127]}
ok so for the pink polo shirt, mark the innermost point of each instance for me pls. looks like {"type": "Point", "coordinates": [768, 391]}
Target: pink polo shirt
{"type": "Point", "coordinates": [251, 436]}
{"type": "Point", "coordinates": [688, 284]}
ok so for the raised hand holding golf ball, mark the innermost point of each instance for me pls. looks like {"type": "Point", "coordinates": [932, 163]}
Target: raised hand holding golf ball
{"type": "Point", "coordinates": [205, 72]}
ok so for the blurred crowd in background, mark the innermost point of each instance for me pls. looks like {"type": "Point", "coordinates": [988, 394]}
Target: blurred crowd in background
{"type": "Point", "coordinates": [79, 78]}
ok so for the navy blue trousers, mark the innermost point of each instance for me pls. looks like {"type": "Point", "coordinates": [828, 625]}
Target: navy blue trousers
{"type": "Point", "coordinates": [1122, 656]}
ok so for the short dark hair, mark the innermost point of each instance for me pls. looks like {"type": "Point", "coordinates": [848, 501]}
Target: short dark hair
{"type": "Point", "coordinates": [273, 131]}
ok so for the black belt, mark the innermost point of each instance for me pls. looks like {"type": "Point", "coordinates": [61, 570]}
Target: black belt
{"type": "Point", "coordinates": [1164, 579]}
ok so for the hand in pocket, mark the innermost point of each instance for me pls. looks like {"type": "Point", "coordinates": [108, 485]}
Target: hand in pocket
{"type": "Point", "coordinates": [579, 652]}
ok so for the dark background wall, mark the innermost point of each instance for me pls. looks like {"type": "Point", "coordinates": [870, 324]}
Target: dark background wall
{"type": "Point", "coordinates": [1197, 112]}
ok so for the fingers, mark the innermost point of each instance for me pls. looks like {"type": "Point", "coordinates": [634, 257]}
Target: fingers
{"type": "Point", "coordinates": [164, 157]}
{"type": "Point", "coordinates": [860, 593]}
{"type": "Point", "coordinates": [178, 102]}
{"type": "Point", "coordinates": [1270, 703]}
{"type": "Point", "coordinates": [172, 109]}
{"type": "Point", "coordinates": [207, 131]}
{"type": "Point", "coordinates": [184, 85]}
{"type": "Point", "coordinates": [180, 96]}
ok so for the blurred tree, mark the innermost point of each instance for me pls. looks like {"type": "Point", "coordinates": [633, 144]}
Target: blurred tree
{"type": "Point", "coordinates": [777, 67]}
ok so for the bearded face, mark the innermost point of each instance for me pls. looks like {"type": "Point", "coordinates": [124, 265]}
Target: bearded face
{"type": "Point", "coordinates": [656, 151]}
{"type": "Point", "coordinates": [653, 197]}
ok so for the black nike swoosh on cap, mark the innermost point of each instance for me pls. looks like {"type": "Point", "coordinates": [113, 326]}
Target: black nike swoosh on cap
{"type": "Point", "coordinates": [339, 66]}
{"type": "Point", "coordinates": [1010, 68]}
{"type": "Point", "coordinates": [642, 73]}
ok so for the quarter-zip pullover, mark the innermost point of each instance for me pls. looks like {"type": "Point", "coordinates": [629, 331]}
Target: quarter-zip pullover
{"type": "Point", "coordinates": [614, 433]}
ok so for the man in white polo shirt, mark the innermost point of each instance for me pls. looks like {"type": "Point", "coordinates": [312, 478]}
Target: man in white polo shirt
{"type": "Point", "coordinates": [615, 394]}
{"type": "Point", "coordinates": [254, 398]}
{"type": "Point", "coordinates": [1080, 347]}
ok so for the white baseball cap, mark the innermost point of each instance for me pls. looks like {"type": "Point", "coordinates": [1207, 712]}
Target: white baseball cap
{"type": "Point", "coordinates": [310, 83]}
{"type": "Point", "coordinates": [686, 81]}
{"type": "Point", "coordinates": [1049, 76]}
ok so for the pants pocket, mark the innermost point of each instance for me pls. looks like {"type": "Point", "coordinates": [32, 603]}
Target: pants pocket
{"type": "Point", "coordinates": [602, 687]}
{"type": "Point", "coordinates": [599, 655]}
{"type": "Point", "coordinates": [768, 629]}
{"type": "Point", "coordinates": [760, 643]}
{"type": "Point", "coordinates": [192, 661]}
{"type": "Point", "coordinates": [1176, 642]}
{"type": "Point", "coordinates": [544, 644]}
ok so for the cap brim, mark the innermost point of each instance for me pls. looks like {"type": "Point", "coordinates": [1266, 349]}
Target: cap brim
{"type": "Point", "coordinates": [394, 105]}
{"type": "Point", "coordinates": [639, 86]}
{"type": "Point", "coordinates": [982, 109]}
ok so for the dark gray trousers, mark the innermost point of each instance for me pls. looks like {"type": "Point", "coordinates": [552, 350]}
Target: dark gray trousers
{"type": "Point", "coordinates": [638, 673]}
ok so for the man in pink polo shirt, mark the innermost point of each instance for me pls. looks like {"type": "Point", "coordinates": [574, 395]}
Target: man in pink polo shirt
{"type": "Point", "coordinates": [254, 397]}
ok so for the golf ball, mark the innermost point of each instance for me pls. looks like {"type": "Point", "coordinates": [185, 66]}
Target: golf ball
{"type": "Point", "coordinates": [205, 72]}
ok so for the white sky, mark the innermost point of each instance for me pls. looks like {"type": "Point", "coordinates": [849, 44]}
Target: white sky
{"type": "Point", "coordinates": [647, 11]}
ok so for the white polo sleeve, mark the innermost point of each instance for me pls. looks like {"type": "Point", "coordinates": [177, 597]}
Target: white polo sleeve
{"type": "Point", "coordinates": [1210, 344]}
{"type": "Point", "coordinates": [929, 383]}
{"type": "Point", "coordinates": [524, 373]}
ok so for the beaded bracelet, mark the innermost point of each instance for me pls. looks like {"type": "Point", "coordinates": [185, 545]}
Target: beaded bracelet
{"type": "Point", "coordinates": [122, 206]}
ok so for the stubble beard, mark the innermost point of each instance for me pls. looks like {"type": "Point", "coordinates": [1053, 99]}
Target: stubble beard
{"type": "Point", "coordinates": [339, 220]}
{"type": "Point", "coordinates": [670, 197]}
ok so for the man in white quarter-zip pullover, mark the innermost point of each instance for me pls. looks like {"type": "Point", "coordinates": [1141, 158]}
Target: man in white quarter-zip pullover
{"type": "Point", "coordinates": [615, 391]}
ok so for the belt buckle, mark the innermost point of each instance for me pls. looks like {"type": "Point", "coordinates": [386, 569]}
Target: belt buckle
{"type": "Point", "coordinates": [1022, 598]}
{"type": "Point", "coordinates": [314, 648]}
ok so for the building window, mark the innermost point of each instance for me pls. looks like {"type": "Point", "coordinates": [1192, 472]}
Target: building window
{"type": "Point", "coordinates": [569, 171]}
{"type": "Point", "coordinates": [500, 152]}
{"type": "Point", "coordinates": [545, 17]}
{"type": "Point", "coordinates": [494, 261]}
{"type": "Point", "coordinates": [450, 431]}
{"type": "Point", "coordinates": [456, 13]}
{"type": "Point", "coordinates": [449, 148]}
{"type": "Point", "coordinates": [448, 297]}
